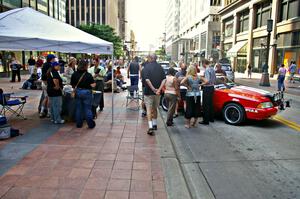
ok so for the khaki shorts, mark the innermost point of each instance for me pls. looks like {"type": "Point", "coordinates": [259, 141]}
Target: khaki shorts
{"type": "Point", "coordinates": [151, 101]}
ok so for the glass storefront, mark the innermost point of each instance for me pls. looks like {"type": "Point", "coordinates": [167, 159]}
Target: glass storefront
{"type": "Point", "coordinates": [241, 63]}
{"type": "Point", "coordinates": [259, 54]}
{"type": "Point", "coordinates": [226, 48]}
{"type": "Point", "coordinates": [288, 48]}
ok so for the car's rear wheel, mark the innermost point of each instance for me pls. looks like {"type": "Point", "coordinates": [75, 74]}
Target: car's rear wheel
{"type": "Point", "coordinates": [164, 103]}
{"type": "Point", "coordinates": [233, 114]}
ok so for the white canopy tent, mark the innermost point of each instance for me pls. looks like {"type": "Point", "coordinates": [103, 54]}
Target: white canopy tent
{"type": "Point", "coordinates": [25, 29]}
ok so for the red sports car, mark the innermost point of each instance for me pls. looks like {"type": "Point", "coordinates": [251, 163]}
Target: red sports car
{"type": "Point", "coordinates": [238, 103]}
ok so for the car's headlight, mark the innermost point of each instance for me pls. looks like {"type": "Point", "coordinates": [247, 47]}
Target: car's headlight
{"type": "Point", "coordinates": [265, 105]}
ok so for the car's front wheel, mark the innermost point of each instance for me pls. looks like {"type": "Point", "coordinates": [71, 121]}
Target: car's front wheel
{"type": "Point", "coordinates": [233, 114]}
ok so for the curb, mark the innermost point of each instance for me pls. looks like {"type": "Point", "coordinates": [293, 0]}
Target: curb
{"type": "Point", "coordinates": [193, 177]}
{"type": "Point", "coordinates": [176, 186]}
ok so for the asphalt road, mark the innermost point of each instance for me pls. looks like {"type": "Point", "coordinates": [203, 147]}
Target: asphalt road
{"type": "Point", "coordinates": [260, 159]}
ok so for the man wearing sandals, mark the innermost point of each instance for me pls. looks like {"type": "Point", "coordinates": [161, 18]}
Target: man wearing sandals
{"type": "Point", "coordinates": [154, 78]}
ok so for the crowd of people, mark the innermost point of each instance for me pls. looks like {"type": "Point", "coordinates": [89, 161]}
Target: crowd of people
{"type": "Point", "coordinates": [80, 77]}
{"type": "Point", "coordinates": [155, 81]}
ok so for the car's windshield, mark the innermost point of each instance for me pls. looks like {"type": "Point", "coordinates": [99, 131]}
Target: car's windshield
{"type": "Point", "coordinates": [221, 79]}
{"type": "Point", "coordinates": [226, 67]}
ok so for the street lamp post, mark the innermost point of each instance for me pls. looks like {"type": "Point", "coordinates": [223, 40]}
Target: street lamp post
{"type": "Point", "coordinates": [265, 81]}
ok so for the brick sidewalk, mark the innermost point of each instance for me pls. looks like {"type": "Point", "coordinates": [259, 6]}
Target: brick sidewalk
{"type": "Point", "coordinates": [110, 161]}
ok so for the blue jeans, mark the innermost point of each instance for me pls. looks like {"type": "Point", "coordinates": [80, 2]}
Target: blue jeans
{"type": "Point", "coordinates": [84, 107]}
{"type": "Point", "coordinates": [55, 108]}
{"type": "Point", "coordinates": [134, 80]}
{"type": "Point", "coordinates": [281, 86]}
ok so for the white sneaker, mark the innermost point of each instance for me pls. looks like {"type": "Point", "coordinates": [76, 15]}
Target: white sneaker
{"type": "Point", "coordinates": [59, 122]}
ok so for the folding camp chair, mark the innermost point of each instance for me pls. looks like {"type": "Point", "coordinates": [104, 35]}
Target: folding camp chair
{"type": "Point", "coordinates": [133, 96]}
{"type": "Point", "coordinates": [12, 104]}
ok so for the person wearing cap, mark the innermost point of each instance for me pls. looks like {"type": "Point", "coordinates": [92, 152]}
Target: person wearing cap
{"type": "Point", "coordinates": [45, 68]}
{"type": "Point", "coordinates": [54, 90]}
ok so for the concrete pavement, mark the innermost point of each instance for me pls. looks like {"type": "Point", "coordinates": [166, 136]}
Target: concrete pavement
{"type": "Point", "coordinates": [255, 160]}
{"type": "Point", "coordinates": [61, 161]}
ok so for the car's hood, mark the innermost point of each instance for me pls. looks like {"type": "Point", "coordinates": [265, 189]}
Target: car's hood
{"type": "Point", "coordinates": [249, 93]}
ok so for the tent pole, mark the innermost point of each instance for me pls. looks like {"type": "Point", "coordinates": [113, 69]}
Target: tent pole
{"type": "Point", "coordinates": [112, 92]}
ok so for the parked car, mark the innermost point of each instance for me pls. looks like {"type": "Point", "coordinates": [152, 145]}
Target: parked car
{"type": "Point", "coordinates": [228, 70]}
{"type": "Point", "coordinates": [237, 103]}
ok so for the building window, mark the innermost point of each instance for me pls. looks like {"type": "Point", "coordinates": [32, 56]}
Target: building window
{"type": "Point", "coordinates": [99, 11]}
{"type": "Point", "coordinates": [87, 12]}
{"type": "Point", "coordinates": [215, 2]}
{"type": "Point", "coordinates": [289, 9]}
{"type": "Point", "coordinates": [12, 3]}
{"type": "Point", "coordinates": [103, 12]}
{"type": "Point", "coordinates": [227, 2]}
{"type": "Point", "coordinates": [72, 13]}
{"type": "Point", "coordinates": [77, 13]}
{"type": "Point", "coordinates": [82, 12]}
{"type": "Point", "coordinates": [67, 13]}
{"type": "Point", "coordinates": [42, 6]}
{"type": "Point", "coordinates": [203, 41]}
{"type": "Point", "coordinates": [228, 27]}
{"type": "Point", "coordinates": [263, 13]}
{"type": "Point", "coordinates": [216, 39]}
{"type": "Point", "coordinates": [93, 13]}
{"type": "Point", "coordinates": [244, 21]}
{"type": "Point", "coordinates": [25, 3]}
{"type": "Point", "coordinates": [33, 4]}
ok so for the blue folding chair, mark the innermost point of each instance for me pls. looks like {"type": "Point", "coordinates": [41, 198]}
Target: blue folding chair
{"type": "Point", "coordinates": [12, 106]}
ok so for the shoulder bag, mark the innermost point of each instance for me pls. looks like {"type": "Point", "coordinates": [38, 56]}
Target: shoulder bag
{"type": "Point", "coordinates": [73, 93]}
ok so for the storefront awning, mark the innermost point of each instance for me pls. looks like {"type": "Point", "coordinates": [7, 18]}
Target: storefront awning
{"type": "Point", "coordinates": [233, 52]}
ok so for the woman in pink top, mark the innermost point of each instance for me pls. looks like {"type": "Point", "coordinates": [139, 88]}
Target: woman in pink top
{"type": "Point", "coordinates": [171, 94]}
{"type": "Point", "coordinates": [281, 77]}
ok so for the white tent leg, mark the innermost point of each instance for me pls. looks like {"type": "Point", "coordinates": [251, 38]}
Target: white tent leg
{"type": "Point", "coordinates": [112, 92]}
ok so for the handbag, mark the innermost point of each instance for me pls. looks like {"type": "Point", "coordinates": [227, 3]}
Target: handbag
{"type": "Point", "coordinates": [73, 93]}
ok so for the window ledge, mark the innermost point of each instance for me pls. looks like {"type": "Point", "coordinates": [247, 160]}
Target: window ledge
{"type": "Point", "coordinates": [282, 23]}
{"type": "Point", "coordinates": [242, 33]}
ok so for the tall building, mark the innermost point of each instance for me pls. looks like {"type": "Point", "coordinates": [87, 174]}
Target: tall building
{"type": "Point", "coordinates": [52, 8]}
{"type": "Point", "coordinates": [172, 29]}
{"type": "Point", "coordinates": [109, 12]}
{"type": "Point", "coordinates": [122, 18]}
{"type": "Point", "coordinates": [244, 33]}
{"type": "Point", "coordinates": [193, 29]}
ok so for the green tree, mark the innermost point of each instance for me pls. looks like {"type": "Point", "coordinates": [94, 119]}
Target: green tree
{"type": "Point", "coordinates": [161, 53]}
{"type": "Point", "coordinates": [106, 33]}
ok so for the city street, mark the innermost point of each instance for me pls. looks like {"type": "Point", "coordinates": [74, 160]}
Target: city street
{"type": "Point", "coordinates": [259, 159]}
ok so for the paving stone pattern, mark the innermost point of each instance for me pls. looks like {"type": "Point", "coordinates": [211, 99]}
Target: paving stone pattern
{"type": "Point", "coordinates": [111, 161]}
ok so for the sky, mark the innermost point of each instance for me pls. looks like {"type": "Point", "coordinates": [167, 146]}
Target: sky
{"type": "Point", "coordinates": [147, 19]}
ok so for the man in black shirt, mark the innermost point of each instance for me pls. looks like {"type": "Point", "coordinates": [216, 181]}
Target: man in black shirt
{"type": "Point", "coordinates": [133, 71]}
{"type": "Point", "coordinates": [31, 64]}
{"type": "Point", "coordinates": [54, 90]}
{"type": "Point", "coordinates": [154, 78]}
{"type": "Point", "coordinates": [45, 68]}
